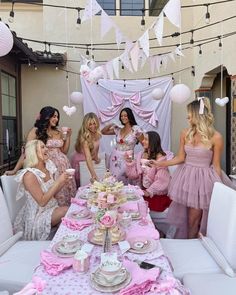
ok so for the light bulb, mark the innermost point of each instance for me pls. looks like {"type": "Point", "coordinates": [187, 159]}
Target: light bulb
{"type": "Point", "coordinates": [11, 17]}
{"type": "Point", "coordinates": [142, 24]}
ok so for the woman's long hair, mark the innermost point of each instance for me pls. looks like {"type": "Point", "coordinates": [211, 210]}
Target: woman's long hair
{"type": "Point", "coordinates": [130, 116]}
{"type": "Point", "coordinates": [200, 123]}
{"type": "Point", "coordinates": [43, 121]}
{"type": "Point", "coordinates": [85, 135]}
{"type": "Point", "coordinates": [31, 157]}
{"type": "Point", "coordinates": [154, 145]}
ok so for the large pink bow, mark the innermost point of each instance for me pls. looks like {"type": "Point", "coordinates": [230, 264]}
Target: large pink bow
{"type": "Point", "coordinates": [135, 102]}
{"type": "Point", "coordinates": [35, 287]}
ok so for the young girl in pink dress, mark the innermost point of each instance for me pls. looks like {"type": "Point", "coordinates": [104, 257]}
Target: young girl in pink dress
{"type": "Point", "coordinates": [126, 139]}
{"type": "Point", "coordinates": [192, 182]}
{"type": "Point", "coordinates": [154, 181]}
{"type": "Point", "coordinates": [87, 147]}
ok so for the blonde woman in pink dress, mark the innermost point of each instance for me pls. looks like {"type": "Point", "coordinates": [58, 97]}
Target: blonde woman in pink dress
{"type": "Point", "coordinates": [192, 183]}
{"type": "Point", "coordinates": [87, 147]}
{"type": "Point", "coordinates": [46, 129]}
{"type": "Point", "coordinates": [126, 139]}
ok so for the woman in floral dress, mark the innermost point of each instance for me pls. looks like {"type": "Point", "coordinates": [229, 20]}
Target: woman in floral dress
{"type": "Point", "coordinates": [126, 139]}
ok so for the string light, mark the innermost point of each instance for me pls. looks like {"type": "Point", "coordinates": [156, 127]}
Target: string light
{"type": "Point", "coordinates": [29, 63]}
{"type": "Point", "coordinates": [200, 50]}
{"type": "Point", "coordinates": [35, 68]}
{"type": "Point", "coordinates": [56, 68]}
{"type": "Point", "coordinates": [49, 51]}
{"type": "Point", "coordinates": [45, 53]}
{"type": "Point", "coordinates": [207, 16]}
{"type": "Point", "coordinates": [87, 51]}
{"type": "Point", "coordinates": [143, 21]}
{"type": "Point", "coordinates": [220, 43]}
{"type": "Point", "coordinates": [193, 71]}
{"type": "Point", "coordinates": [78, 22]}
{"type": "Point", "coordinates": [11, 14]}
{"type": "Point", "coordinates": [149, 81]}
{"type": "Point", "coordinates": [124, 83]}
{"type": "Point", "coordinates": [191, 40]}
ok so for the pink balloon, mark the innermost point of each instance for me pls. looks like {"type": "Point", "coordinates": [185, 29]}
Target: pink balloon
{"type": "Point", "coordinates": [6, 39]}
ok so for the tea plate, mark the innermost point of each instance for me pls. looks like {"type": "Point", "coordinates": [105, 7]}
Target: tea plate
{"type": "Point", "coordinates": [94, 241]}
{"type": "Point", "coordinates": [142, 245]}
{"type": "Point", "coordinates": [61, 251]}
{"type": "Point", "coordinates": [110, 289]}
{"type": "Point", "coordinates": [109, 281]}
{"type": "Point", "coordinates": [79, 214]}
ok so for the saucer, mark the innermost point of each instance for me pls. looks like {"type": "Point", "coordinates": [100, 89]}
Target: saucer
{"type": "Point", "coordinates": [110, 289]}
{"type": "Point", "coordinates": [142, 245]}
{"type": "Point", "coordinates": [135, 215]}
{"type": "Point", "coordinates": [79, 214]}
{"type": "Point", "coordinates": [110, 281]}
{"type": "Point", "coordinates": [94, 241]}
{"type": "Point", "coordinates": [61, 251]}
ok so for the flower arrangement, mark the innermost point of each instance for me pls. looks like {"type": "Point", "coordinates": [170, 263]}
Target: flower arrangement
{"type": "Point", "coordinates": [106, 219]}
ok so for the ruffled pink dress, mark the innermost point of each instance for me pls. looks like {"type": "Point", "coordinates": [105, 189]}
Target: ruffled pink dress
{"type": "Point", "coordinates": [62, 163]}
{"type": "Point", "coordinates": [191, 186]}
{"type": "Point", "coordinates": [117, 163]}
{"type": "Point", "coordinates": [76, 158]}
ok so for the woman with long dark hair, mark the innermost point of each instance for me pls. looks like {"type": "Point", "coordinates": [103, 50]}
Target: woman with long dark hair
{"type": "Point", "coordinates": [46, 130]}
{"type": "Point", "coordinates": [126, 139]}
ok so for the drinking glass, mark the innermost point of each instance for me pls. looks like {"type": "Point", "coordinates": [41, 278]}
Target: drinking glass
{"type": "Point", "coordinates": [143, 211]}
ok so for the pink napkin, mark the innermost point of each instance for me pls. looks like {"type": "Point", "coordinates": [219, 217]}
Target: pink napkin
{"type": "Point", "coordinates": [168, 285]}
{"type": "Point", "coordinates": [129, 206]}
{"type": "Point", "coordinates": [76, 225]}
{"type": "Point", "coordinates": [53, 264]}
{"type": "Point", "coordinates": [35, 287]}
{"type": "Point", "coordinates": [142, 279]}
{"type": "Point", "coordinates": [136, 230]}
{"type": "Point", "coordinates": [79, 202]}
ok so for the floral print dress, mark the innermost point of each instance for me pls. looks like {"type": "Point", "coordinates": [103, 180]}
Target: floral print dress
{"type": "Point", "coordinates": [117, 163]}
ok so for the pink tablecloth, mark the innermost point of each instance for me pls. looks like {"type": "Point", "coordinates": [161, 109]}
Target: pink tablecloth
{"type": "Point", "coordinates": [69, 282]}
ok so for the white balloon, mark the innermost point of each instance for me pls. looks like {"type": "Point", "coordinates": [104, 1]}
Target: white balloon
{"type": "Point", "coordinates": [157, 93]}
{"type": "Point", "coordinates": [76, 97]}
{"type": "Point", "coordinates": [6, 39]}
{"type": "Point", "coordinates": [180, 93]}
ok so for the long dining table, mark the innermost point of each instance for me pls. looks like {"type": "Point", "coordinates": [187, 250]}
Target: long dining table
{"type": "Point", "coordinates": [70, 282]}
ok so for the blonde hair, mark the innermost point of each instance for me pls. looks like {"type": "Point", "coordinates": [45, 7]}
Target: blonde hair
{"type": "Point", "coordinates": [31, 156]}
{"type": "Point", "coordinates": [85, 135]}
{"type": "Point", "coordinates": [200, 123]}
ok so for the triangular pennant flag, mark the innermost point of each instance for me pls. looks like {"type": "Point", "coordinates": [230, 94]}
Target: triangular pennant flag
{"type": "Point", "coordinates": [109, 68]}
{"type": "Point", "coordinates": [152, 61]}
{"type": "Point", "coordinates": [173, 11]}
{"type": "Point", "coordinates": [142, 57]}
{"type": "Point", "coordinates": [158, 28]}
{"type": "Point", "coordinates": [115, 64]}
{"type": "Point", "coordinates": [106, 23]}
{"type": "Point", "coordinates": [119, 36]}
{"type": "Point", "coordinates": [164, 60]}
{"type": "Point", "coordinates": [91, 8]}
{"type": "Point", "coordinates": [128, 45]}
{"type": "Point", "coordinates": [178, 51]}
{"type": "Point", "coordinates": [126, 62]}
{"type": "Point", "coordinates": [144, 43]}
{"type": "Point", "coordinates": [172, 56]}
{"type": "Point", "coordinates": [134, 54]}
{"type": "Point", "coordinates": [158, 63]}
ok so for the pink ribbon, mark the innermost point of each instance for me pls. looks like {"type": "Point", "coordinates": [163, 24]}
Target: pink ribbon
{"type": "Point", "coordinates": [201, 109]}
{"type": "Point", "coordinates": [35, 287]}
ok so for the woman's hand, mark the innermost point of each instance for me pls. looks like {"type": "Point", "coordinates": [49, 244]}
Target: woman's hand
{"type": "Point", "coordinates": [127, 158]}
{"type": "Point", "coordinates": [69, 132]}
{"type": "Point", "coordinates": [97, 161]}
{"type": "Point", "coordinates": [146, 194]}
{"type": "Point", "coordinates": [64, 178]}
{"type": "Point", "coordinates": [10, 172]}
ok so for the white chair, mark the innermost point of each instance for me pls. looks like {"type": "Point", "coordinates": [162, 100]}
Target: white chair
{"type": "Point", "coordinates": [85, 175]}
{"type": "Point", "coordinates": [9, 186]}
{"type": "Point", "coordinates": [210, 284]}
{"type": "Point", "coordinates": [190, 256]}
{"type": "Point", "coordinates": [18, 259]}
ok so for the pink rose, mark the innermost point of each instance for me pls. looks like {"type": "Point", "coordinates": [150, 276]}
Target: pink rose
{"type": "Point", "coordinates": [107, 220]}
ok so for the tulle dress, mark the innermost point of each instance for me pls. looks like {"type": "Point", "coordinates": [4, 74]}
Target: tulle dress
{"type": "Point", "coordinates": [191, 186]}
{"type": "Point", "coordinates": [117, 163]}
{"type": "Point", "coordinates": [35, 221]}
{"type": "Point", "coordinates": [76, 158]}
{"type": "Point", "coordinates": [62, 163]}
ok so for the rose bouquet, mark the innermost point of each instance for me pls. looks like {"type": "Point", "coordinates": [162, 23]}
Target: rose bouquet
{"type": "Point", "coordinates": [107, 219]}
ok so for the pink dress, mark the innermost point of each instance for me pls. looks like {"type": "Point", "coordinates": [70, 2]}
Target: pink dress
{"type": "Point", "coordinates": [191, 186]}
{"type": "Point", "coordinates": [79, 157]}
{"type": "Point", "coordinates": [62, 163]}
{"type": "Point", "coordinates": [117, 163]}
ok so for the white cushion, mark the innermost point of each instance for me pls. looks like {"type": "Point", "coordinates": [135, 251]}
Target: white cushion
{"type": "Point", "coordinates": [188, 256]}
{"type": "Point", "coordinates": [10, 187]}
{"type": "Point", "coordinates": [5, 222]}
{"type": "Point", "coordinates": [221, 226]}
{"type": "Point", "coordinates": [85, 175]}
{"type": "Point", "coordinates": [210, 284]}
{"type": "Point", "coordinates": [10, 242]}
{"type": "Point", "coordinates": [18, 263]}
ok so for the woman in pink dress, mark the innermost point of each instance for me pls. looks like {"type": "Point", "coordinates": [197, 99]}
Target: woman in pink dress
{"type": "Point", "coordinates": [46, 130]}
{"type": "Point", "coordinates": [192, 183]}
{"type": "Point", "coordinates": [87, 147]}
{"type": "Point", "coordinates": [154, 181]}
{"type": "Point", "coordinates": [126, 139]}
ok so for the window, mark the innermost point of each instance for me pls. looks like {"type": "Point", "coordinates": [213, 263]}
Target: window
{"type": "Point", "coordinates": [39, 1]}
{"type": "Point", "coordinates": [131, 7]}
{"type": "Point", "coordinates": [9, 117]}
{"type": "Point", "coordinates": [108, 5]}
{"type": "Point", "coordinates": [156, 6]}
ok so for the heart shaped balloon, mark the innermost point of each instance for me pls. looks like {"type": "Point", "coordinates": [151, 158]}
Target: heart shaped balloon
{"type": "Point", "coordinates": [222, 101]}
{"type": "Point", "coordinates": [69, 110]}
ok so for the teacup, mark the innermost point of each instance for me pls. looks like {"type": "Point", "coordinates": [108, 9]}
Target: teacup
{"type": "Point", "coordinates": [144, 162]}
{"type": "Point", "coordinates": [111, 268]}
{"type": "Point", "coordinates": [64, 131]}
{"type": "Point", "coordinates": [71, 172]}
{"type": "Point", "coordinates": [70, 240]}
